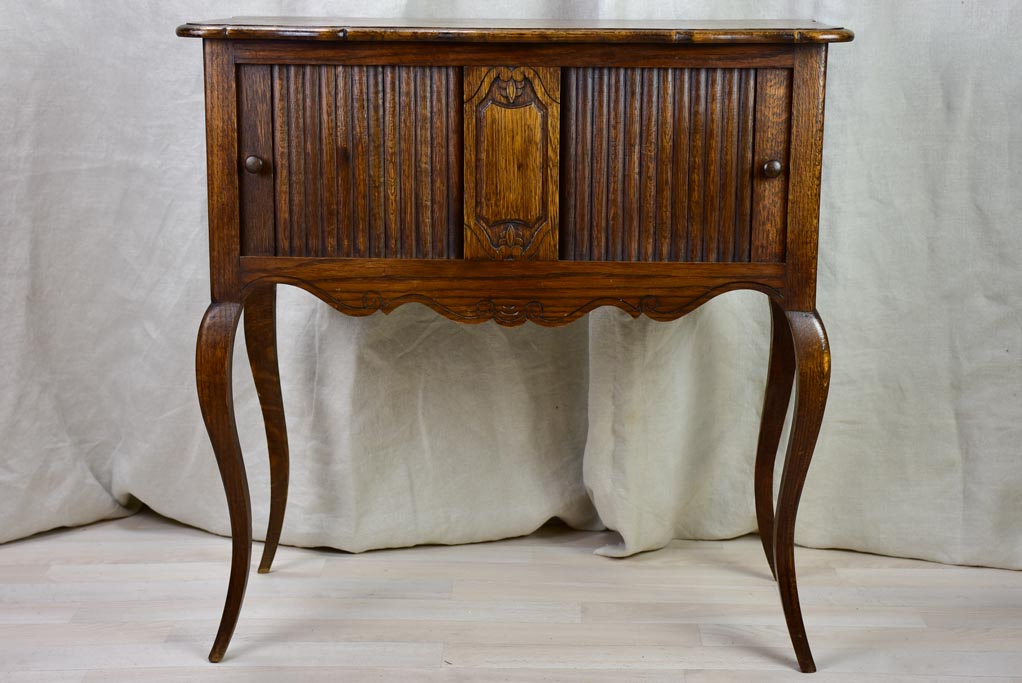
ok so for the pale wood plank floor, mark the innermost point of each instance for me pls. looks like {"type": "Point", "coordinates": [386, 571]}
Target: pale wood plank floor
{"type": "Point", "coordinates": [138, 599]}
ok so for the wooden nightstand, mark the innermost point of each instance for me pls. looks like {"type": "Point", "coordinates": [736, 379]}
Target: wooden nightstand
{"type": "Point", "coordinates": [527, 171]}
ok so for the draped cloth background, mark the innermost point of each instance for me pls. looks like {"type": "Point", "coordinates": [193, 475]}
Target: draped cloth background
{"type": "Point", "coordinates": [410, 428]}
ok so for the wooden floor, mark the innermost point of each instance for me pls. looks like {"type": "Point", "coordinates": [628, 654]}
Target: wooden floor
{"type": "Point", "coordinates": [138, 599]}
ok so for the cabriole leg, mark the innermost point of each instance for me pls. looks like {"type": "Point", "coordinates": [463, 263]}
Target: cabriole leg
{"type": "Point", "coordinates": [213, 354]}
{"type": "Point", "coordinates": [261, 341]}
{"type": "Point", "coordinates": [812, 363]}
{"type": "Point", "coordinates": [775, 407]}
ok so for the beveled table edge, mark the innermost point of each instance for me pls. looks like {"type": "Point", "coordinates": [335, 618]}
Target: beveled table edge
{"type": "Point", "coordinates": [514, 31]}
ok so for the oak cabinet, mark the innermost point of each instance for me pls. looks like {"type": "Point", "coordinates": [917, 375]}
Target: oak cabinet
{"type": "Point", "coordinates": [515, 173]}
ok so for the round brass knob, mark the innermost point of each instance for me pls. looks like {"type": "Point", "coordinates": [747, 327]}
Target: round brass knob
{"type": "Point", "coordinates": [772, 168]}
{"type": "Point", "coordinates": [254, 164]}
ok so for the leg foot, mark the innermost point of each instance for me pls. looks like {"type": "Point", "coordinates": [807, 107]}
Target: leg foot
{"type": "Point", "coordinates": [213, 357]}
{"type": "Point", "coordinates": [812, 361]}
{"type": "Point", "coordinates": [775, 407]}
{"type": "Point", "coordinates": [261, 341]}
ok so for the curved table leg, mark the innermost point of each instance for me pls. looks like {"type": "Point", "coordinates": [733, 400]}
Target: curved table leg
{"type": "Point", "coordinates": [213, 355]}
{"type": "Point", "coordinates": [775, 407]}
{"type": "Point", "coordinates": [261, 341]}
{"type": "Point", "coordinates": [812, 358]}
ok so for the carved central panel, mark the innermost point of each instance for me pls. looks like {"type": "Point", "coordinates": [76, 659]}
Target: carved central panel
{"type": "Point", "coordinates": [511, 162]}
{"type": "Point", "coordinates": [502, 183]}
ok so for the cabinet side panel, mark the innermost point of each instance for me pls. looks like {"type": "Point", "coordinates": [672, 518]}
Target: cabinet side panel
{"type": "Point", "coordinates": [809, 84]}
{"type": "Point", "coordinates": [222, 169]}
{"type": "Point", "coordinates": [366, 160]}
{"type": "Point", "coordinates": [658, 164]}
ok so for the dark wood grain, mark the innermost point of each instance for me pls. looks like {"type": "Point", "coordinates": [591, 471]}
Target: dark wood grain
{"type": "Point", "coordinates": [362, 159]}
{"type": "Point", "coordinates": [222, 170]}
{"type": "Point", "coordinates": [812, 383]}
{"type": "Point", "coordinates": [515, 30]}
{"type": "Point", "coordinates": [808, 86]}
{"type": "Point", "coordinates": [549, 293]}
{"type": "Point", "coordinates": [261, 344]}
{"type": "Point", "coordinates": [512, 138]}
{"type": "Point", "coordinates": [669, 177]}
{"type": "Point", "coordinates": [770, 195]}
{"type": "Point", "coordinates": [532, 54]}
{"type": "Point", "coordinates": [255, 138]}
{"type": "Point", "coordinates": [213, 359]}
{"type": "Point", "coordinates": [775, 407]}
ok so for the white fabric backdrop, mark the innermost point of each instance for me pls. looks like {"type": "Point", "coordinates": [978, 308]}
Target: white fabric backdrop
{"type": "Point", "coordinates": [412, 429]}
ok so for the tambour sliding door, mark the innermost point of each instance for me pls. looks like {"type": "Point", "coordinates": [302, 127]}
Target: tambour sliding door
{"type": "Point", "coordinates": [515, 162]}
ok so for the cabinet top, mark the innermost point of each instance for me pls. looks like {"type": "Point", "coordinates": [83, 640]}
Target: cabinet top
{"type": "Point", "coordinates": [515, 30]}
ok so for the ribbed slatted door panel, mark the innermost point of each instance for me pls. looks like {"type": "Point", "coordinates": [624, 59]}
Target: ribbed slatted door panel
{"type": "Point", "coordinates": [663, 165]}
{"type": "Point", "coordinates": [365, 160]}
